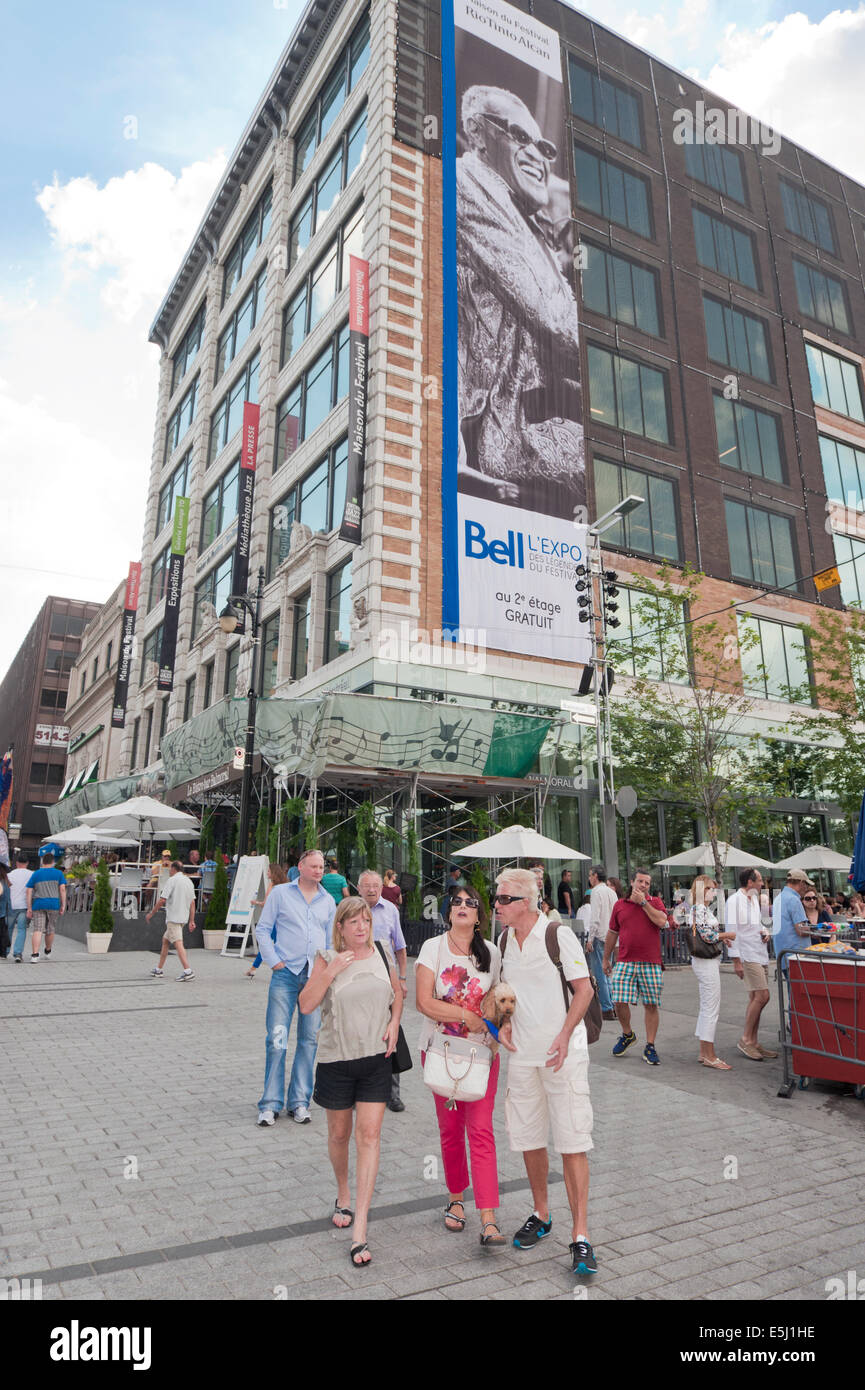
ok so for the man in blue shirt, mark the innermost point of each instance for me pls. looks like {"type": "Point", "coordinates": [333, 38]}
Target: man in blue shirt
{"type": "Point", "coordinates": [790, 925]}
{"type": "Point", "coordinates": [386, 927]}
{"type": "Point", "coordinates": [302, 913]}
{"type": "Point", "coordinates": [46, 900]}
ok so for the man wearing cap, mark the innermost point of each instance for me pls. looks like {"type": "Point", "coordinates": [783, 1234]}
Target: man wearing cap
{"type": "Point", "coordinates": [46, 898]}
{"type": "Point", "coordinates": [789, 920]}
{"type": "Point", "coordinates": [160, 872]}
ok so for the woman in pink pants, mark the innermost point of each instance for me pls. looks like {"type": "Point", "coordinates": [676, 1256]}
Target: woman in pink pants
{"type": "Point", "coordinates": [454, 972]}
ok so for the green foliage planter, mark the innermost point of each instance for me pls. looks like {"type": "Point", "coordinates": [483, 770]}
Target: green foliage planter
{"type": "Point", "coordinates": [101, 918]}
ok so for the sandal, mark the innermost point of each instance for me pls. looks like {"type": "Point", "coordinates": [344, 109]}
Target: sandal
{"type": "Point", "coordinates": [717, 1064]}
{"type": "Point", "coordinates": [497, 1241]}
{"type": "Point", "coordinates": [358, 1250]}
{"type": "Point", "coordinates": [449, 1216]}
{"type": "Point", "coordinates": [342, 1211]}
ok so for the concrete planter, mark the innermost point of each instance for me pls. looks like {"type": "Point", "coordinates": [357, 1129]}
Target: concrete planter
{"type": "Point", "coordinates": [213, 940]}
{"type": "Point", "coordinates": [98, 942]}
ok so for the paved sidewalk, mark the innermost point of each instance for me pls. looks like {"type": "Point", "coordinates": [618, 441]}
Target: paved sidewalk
{"type": "Point", "coordinates": [134, 1168]}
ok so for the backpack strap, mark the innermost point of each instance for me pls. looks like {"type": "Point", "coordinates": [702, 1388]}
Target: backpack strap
{"type": "Point", "coordinates": [378, 946]}
{"type": "Point", "coordinates": [503, 941]}
{"type": "Point", "coordinates": [551, 937]}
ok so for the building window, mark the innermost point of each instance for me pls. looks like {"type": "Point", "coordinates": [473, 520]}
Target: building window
{"type": "Point", "coordinates": [52, 699]}
{"type": "Point", "coordinates": [170, 491]}
{"type": "Point", "coordinates": [718, 166]}
{"type": "Point", "coordinates": [342, 79]}
{"type": "Point", "coordinates": [208, 686]}
{"type": "Point", "coordinates": [254, 232]}
{"type": "Point", "coordinates": [761, 546]}
{"type": "Point", "coordinates": [58, 660]}
{"type": "Point", "coordinates": [725, 248]}
{"type": "Point", "coordinates": [148, 735]}
{"type": "Point", "coordinates": [220, 506]}
{"type": "Point", "coordinates": [189, 699]}
{"type": "Point", "coordinates": [843, 471]}
{"type": "Point", "coordinates": [241, 324]}
{"type": "Point", "coordinates": [602, 102]}
{"type": "Point", "coordinates": [334, 177]}
{"type": "Point", "coordinates": [749, 439]}
{"type": "Point", "coordinates": [807, 217]}
{"type": "Point", "coordinates": [737, 339]}
{"type": "Point", "coordinates": [46, 774]}
{"type": "Point", "coordinates": [188, 350]}
{"type": "Point", "coordinates": [312, 398]}
{"type": "Point", "coordinates": [181, 419]}
{"type": "Point", "coordinates": [300, 637]}
{"type": "Point", "coordinates": [133, 756]}
{"type": "Point", "coordinates": [213, 590]}
{"type": "Point", "coordinates": [774, 660]}
{"type": "Point", "coordinates": [269, 655]}
{"type": "Point", "coordinates": [163, 720]}
{"type": "Point", "coordinates": [62, 625]}
{"type": "Point", "coordinates": [108, 651]}
{"type": "Point", "coordinates": [229, 679]}
{"type": "Point", "coordinates": [620, 289]}
{"type": "Point", "coordinates": [628, 395]}
{"type": "Point", "coordinates": [228, 416]}
{"type": "Point", "coordinates": [850, 559]}
{"type": "Point", "coordinates": [652, 638]}
{"type": "Point", "coordinates": [317, 291]}
{"type": "Point", "coordinates": [150, 652]}
{"type": "Point", "coordinates": [651, 529]}
{"type": "Point", "coordinates": [158, 577]}
{"type": "Point", "coordinates": [318, 500]}
{"type": "Point", "coordinates": [821, 296]}
{"type": "Point", "coordinates": [337, 618]}
{"type": "Point", "coordinates": [612, 192]}
{"type": "Point", "coordinates": [95, 666]}
{"type": "Point", "coordinates": [83, 683]}
{"type": "Point", "coordinates": [835, 382]}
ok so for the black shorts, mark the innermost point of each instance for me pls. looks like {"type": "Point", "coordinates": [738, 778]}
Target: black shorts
{"type": "Point", "coordinates": [339, 1085]}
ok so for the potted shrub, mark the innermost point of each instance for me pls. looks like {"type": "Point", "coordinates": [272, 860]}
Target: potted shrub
{"type": "Point", "coordinates": [217, 909]}
{"type": "Point", "coordinates": [101, 917]}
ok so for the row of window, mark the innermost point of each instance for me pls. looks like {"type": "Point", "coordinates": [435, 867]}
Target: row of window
{"type": "Point", "coordinates": [341, 80]}
{"type": "Point", "coordinates": [320, 287]}
{"type": "Point", "coordinates": [344, 162]}
{"type": "Point", "coordinates": [94, 669]}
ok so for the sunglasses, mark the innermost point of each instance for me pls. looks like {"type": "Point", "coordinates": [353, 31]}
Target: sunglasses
{"type": "Point", "coordinates": [504, 898]}
{"type": "Point", "coordinates": [810, 898]}
{"type": "Point", "coordinates": [465, 902]}
{"type": "Point", "coordinates": [545, 148]}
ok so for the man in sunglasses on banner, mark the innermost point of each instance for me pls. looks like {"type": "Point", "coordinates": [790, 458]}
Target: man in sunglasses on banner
{"type": "Point", "coordinates": [521, 439]}
{"type": "Point", "coordinates": [548, 1074]}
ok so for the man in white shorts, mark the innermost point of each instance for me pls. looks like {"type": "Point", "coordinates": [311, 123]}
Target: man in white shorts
{"type": "Point", "coordinates": [179, 902]}
{"type": "Point", "coordinates": [548, 1081]}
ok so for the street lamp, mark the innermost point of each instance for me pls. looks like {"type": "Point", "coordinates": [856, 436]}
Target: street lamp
{"type": "Point", "coordinates": [228, 620]}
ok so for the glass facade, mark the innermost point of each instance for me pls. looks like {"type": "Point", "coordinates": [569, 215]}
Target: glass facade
{"type": "Point", "coordinates": [628, 395]}
{"type": "Point", "coordinates": [650, 529]}
{"type": "Point", "coordinates": [749, 439]}
{"type": "Point", "coordinates": [613, 192]}
{"type": "Point", "coordinates": [774, 660]}
{"type": "Point", "coordinates": [602, 102]}
{"type": "Point", "coordinates": [761, 546]}
{"type": "Point", "coordinates": [737, 339]}
{"type": "Point", "coordinates": [620, 289]}
{"type": "Point", "coordinates": [836, 382]}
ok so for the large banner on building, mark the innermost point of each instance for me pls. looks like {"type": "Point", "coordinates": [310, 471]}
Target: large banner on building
{"type": "Point", "coordinates": [127, 646]}
{"type": "Point", "coordinates": [513, 458]}
{"type": "Point", "coordinates": [173, 590]}
{"type": "Point", "coordinates": [358, 347]}
{"type": "Point", "coordinates": [248, 456]}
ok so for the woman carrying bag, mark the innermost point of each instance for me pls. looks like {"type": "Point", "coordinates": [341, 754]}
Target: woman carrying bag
{"type": "Point", "coordinates": [704, 939]}
{"type": "Point", "coordinates": [454, 972]}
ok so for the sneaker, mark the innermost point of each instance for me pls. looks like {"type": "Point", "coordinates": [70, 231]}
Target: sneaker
{"type": "Point", "coordinates": [48, 950]}
{"type": "Point", "coordinates": [396, 1106]}
{"type": "Point", "coordinates": [765, 1051]}
{"type": "Point", "coordinates": [650, 1055]}
{"type": "Point", "coordinates": [20, 960]}
{"type": "Point", "coordinates": [532, 1231]}
{"type": "Point", "coordinates": [748, 1050]}
{"type": "Point", "coordinates": [33, 959]}
{"type": "Point", "coordinates": [583, 1258]}
{"type": "Point", "coordinates": [301, 1115]}
{"type": "Point", "coordinates": [625, 1041]}
{"type": "Point", "coordinates": [266, 1117]}
{"type": "Point", "coordinates": [157, 971]}
{"type": "Point", "coordinates": [187, 975]}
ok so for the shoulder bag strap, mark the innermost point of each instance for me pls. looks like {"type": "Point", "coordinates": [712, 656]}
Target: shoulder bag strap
{"type": "Point", "coordinates": [551, 937]}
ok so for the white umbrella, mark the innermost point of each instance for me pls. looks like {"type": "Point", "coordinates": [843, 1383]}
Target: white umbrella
{"type": "Point", "coordinates": [142, 816]}
{"type": "Point", "coordinates": [86, 835]}
{"type": "Point", "coordinates": [702, 856]}
{"type": "Point", "coordinates": [519, 841]}
{"type": "Point", "coordinates": [817, 857]}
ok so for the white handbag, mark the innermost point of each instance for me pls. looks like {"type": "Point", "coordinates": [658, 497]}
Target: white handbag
{"type": "Point", "coordinates": [456, 1068]}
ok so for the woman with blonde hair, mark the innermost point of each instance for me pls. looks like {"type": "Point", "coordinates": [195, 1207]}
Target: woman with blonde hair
{"type": "Point", "coordinates": [357, 986]}
{"type": "Point", "coordinates": [704, 939]}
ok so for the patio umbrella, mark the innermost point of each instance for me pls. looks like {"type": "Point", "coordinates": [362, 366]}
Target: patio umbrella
{"type": "Point", "coordinates": [702, 856]}
{"type": "Point", "coordinates": [816, 857]}
{"type": "Point", "coordinates": [142, 816]}
{"type": "Point", "coordinates": [85, 835]}
{"type": "Point", "coordinates": [519, 841]}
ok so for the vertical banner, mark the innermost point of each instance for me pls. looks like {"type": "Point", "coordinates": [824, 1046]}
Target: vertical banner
{"type": "Point", "coordinates": [513, 468]}
{"type": "Point", "coordinates": [246, 491]}
{"type": "Point", "coordinates": [173, 589]}
{"type": "Point", "coordinates": [358, 348]}
{"type": "Point", "coordinates": [127, 644]}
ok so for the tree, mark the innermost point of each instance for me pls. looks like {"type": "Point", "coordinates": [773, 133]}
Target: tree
{"type": "Point", "coordinates": [101, 916]}
{"type": "Point", "coordinates": [217, 908]}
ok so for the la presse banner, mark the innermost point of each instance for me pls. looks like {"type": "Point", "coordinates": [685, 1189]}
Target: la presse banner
{"type": "Point", "coordinates": [248, 456]}
{"type": "Point", "coordinates": [513, 472]}
{"type": "Point", "coordinates": [127, 645]}
{"type": "Point", "coordinates": [173, 591]}
{"type": "Point", "coordinates": [358, 348]}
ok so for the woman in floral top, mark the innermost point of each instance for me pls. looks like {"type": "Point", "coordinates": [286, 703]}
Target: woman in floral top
{"type": "Point", "coordinates": [702, 920]}
{"type": "Point", "coordinates": [454, 972]}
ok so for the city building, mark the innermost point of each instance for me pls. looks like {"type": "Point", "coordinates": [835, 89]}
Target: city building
{"type": "Point", "coordinates": [721, 306]}
{"type": "Point", "coordinates": [94, 752]}
{"type": "Point", "coordinates": [36, 728]}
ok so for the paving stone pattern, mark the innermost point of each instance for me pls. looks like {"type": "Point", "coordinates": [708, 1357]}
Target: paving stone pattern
{"type": "Point", "coordinates": [109, 1073]}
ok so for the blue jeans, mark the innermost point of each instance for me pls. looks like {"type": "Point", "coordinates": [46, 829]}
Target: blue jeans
{"type": "Point", "coordinates": [596, 961]}
{"type": "Point", "coordinates": [18, 929]}
{"type": "Point", "coordinates": [281, 1002]}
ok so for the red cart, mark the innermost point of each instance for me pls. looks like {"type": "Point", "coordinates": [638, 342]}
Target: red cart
{"type": "Point", "coordinates": [823, 1034]}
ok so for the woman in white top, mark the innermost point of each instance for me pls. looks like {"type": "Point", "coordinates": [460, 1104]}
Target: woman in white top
{"type": "Point", "coordinates": [703, 923]}
{"type": "Point", "coordinates": [454, 972]}
{"type": "Point", "coordinates": [361, 1001]}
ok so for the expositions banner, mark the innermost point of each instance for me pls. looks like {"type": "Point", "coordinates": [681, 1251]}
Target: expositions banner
{"type": "Point", "coordinates": [173, 590]}
{"type": "Point", "coordinates": [358, 348]}
{"type": "Point", "coordinates": [127, 645]}
{"type": "Point", "coordinates": [513, 458]}
{"type": "Point", "coordinates": [248, 455]}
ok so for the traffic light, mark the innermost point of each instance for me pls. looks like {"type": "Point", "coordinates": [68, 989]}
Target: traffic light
{"type": "Point", "coordinates": [583, 586]}
{"type": "Point", "coordinates": [611, 608]}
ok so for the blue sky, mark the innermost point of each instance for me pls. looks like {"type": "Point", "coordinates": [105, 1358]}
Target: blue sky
{"type": "Point", "coordinates": [95, 223]}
